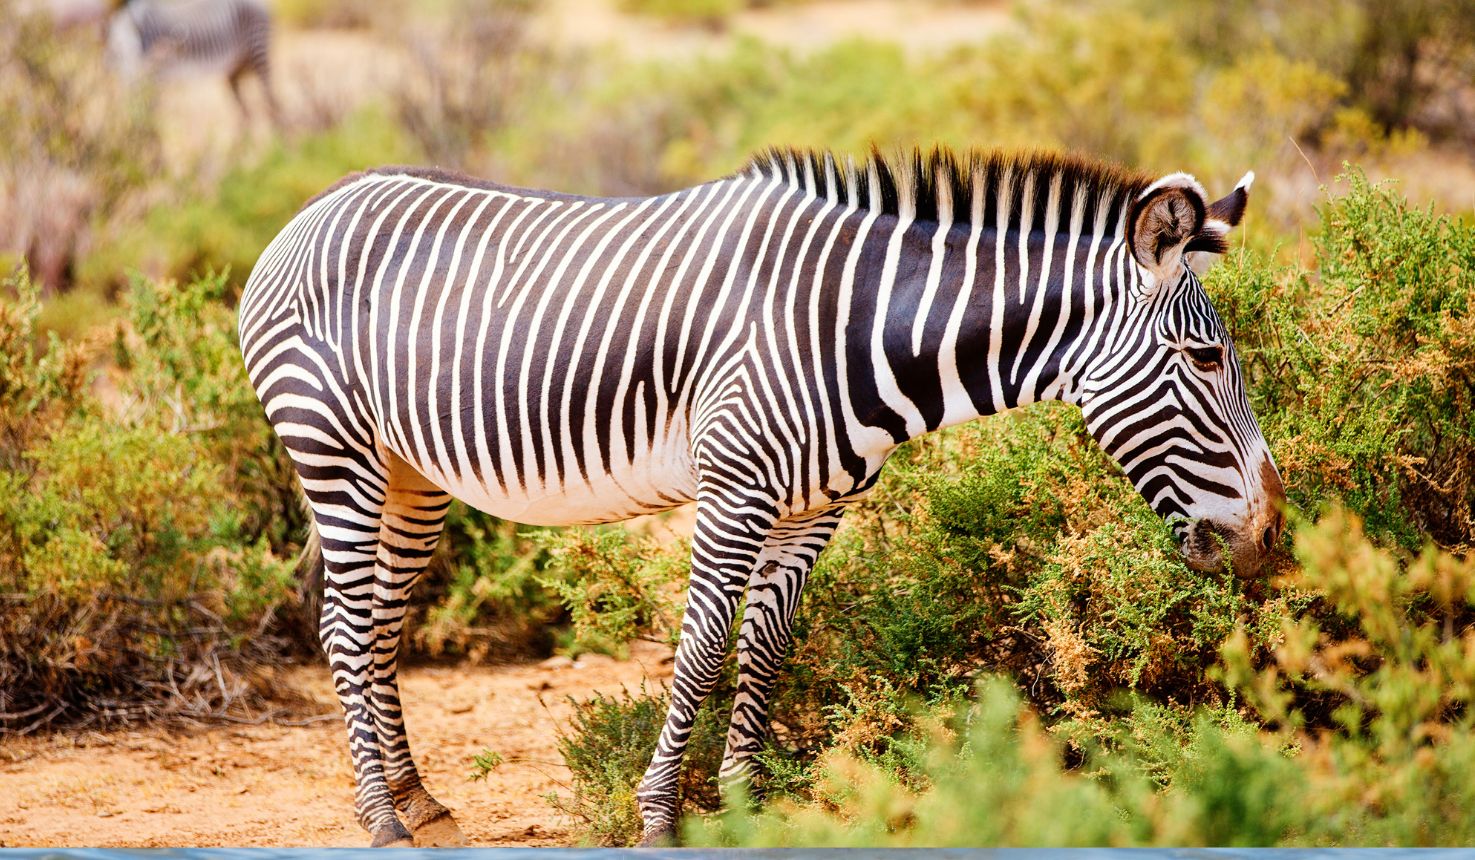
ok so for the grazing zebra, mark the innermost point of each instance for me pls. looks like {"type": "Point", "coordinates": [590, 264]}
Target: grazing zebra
{"type": "Point", "coordinates": [758, 345]}
{"type": "Point", "coordinates": [195, 37]}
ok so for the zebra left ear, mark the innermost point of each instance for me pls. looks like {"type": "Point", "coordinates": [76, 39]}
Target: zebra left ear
{"type": "Point", "coordinates": [1162, 220]}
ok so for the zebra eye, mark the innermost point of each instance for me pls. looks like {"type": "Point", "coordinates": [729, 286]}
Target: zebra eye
{"type": "Point", "coordinates": [1206, 357]}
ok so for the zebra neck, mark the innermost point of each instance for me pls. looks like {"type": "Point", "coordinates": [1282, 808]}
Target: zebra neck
{"type": "Point", "coordinates": [959, 321]}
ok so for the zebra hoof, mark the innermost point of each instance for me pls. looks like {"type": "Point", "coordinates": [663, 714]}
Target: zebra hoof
{"type": "Point", "coordinates": [392, 835]}
{"type": "Point", "coordinates": [440, 832]}
{"type": "Point", "coordinates": [659, 837]}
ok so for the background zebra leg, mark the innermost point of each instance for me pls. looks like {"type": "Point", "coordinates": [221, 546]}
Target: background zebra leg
{"type": "Point", "coordinates": [414, 516]}
{"type": "Point", "coordinates": [273, 107]}
{"type": "Point", "coordinates": [347, 507]}
{"type": "Point", "coordinates": [774, 589]}
{"type": "Point", "coordinates": [725, 545]}
{"type": "Point", "coordinates": [235, 78]}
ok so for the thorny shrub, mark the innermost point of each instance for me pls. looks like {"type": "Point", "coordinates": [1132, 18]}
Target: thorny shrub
{"type": "Point", "coordinates": [133, 581]}
{"type": "Point", "coordinates": [609, 739]}
{"type": "Point", "coordinates": [150, 521]}
{"type": "Point", "coordinates": [1394, 662]}
{"type": "Point", "coordinates": [1362, 370]}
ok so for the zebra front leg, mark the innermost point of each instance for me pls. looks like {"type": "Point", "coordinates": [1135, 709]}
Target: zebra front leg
{"type": "Point", "coordinates": [774, 590]}
{"type": "Point", "coordinates": [414, 517]}
{"type": "Point", "coordinates": [725, 545]}
{"type": "Point", "coordinates": [235, 78]}
{"type": "Point", "coordinates": [273, 107]}
{"type": "Point", "coordinates": [347, 506]}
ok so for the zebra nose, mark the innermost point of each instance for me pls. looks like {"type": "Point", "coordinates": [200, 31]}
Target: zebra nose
{"type": "Point", "coordinates": [1272, 532]}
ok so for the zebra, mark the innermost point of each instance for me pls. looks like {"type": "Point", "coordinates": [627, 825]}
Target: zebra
{"type": "Point", "coordinates": [758, 344]}
{"type": "Point", "coordinates": [195, 36]}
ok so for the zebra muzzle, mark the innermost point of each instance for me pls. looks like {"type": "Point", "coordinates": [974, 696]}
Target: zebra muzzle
{"type": "Point", "coordinates": [1210, 547]}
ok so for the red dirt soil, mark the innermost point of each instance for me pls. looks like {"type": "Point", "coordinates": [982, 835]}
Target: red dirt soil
{"type": "Point", "coordinates": [278, 785]}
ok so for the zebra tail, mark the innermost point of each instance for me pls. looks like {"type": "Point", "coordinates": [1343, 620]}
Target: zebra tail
{"type": "Point", "coordinates": [309, 574]}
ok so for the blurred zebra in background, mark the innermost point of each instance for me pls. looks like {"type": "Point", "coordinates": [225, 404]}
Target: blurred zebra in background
{"type": "Point", "coordinates": [195, 37]}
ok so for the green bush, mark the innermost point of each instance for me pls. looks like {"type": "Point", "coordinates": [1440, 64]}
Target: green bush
{"type": "Point", "coordinates": [711, 13]}
{"type": "Point", "coordinates": [138, 575]}
{"type": "Point", "coordinates": [1388, 769]}
{"type": "Point", "coordinates": [607, 748]}
{"type": "Point", "coordinates": [182, 369]}
{"type": "Point", "coordinates": [150, 522]}
{"type": "Point", "coordinates": [987, 773]}
{"type": "Point", "coordinates": [616, 586]}
{"type": "Point", "coordinates": [1361, 369]}
{"type": "Point", "coordinates": [484, 596]}
{"type": "Point", "coordinates": [225, 229]}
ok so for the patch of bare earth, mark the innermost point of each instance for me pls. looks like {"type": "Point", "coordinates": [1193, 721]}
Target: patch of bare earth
{"type": "Point", "coordinates": [278, 785]}
{"type": "Point", "coordinates": [916, 25]}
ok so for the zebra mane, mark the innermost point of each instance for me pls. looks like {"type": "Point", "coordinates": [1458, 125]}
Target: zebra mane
{"type": "Point", "coordinates": [930, 186]}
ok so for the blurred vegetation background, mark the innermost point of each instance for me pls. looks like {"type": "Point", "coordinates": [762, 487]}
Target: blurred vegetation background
{"type": "Point", "coordinates": [1004, 630]}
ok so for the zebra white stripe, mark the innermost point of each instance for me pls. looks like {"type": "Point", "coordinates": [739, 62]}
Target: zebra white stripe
{"type": "Point", "coordinates": [758, 345]}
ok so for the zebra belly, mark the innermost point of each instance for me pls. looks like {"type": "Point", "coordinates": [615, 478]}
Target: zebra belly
{"type": "Point", "coordinates": [171, 68]}
{"type": "Point", "coordinates": [661, 480]}
{"type": "Point", "coordinates": [512, 449]}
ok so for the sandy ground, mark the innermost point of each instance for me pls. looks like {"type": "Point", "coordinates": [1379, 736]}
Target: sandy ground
{"type": "Point", "coordinates": [276, 785]}
{"type": "Point", "coordinates": [919, 26]}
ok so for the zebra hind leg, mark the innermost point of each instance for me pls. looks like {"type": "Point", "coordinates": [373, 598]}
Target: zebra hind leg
{"type": "Point", "coordinates": [235, 78]}
{"type": "Point", "coordinates": [414, 517]}
{"type": "Point", "coordinates": [774, 590]}
{"type": "Point", "coordinates": [347, 504]}
{"type": "Point", "coordinates": [724, 547]}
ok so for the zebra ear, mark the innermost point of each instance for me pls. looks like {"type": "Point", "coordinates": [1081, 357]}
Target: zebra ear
{"type": "Point", "coordinates": [1162, 221]}
{"type": "Point", "coordinates": [1231, 208]}
{"type": "Point", "coordinates": [1223, 215]}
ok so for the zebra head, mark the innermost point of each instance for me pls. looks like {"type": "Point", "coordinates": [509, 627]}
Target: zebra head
{"type": "Point", "coordinates": [1167, 398]}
